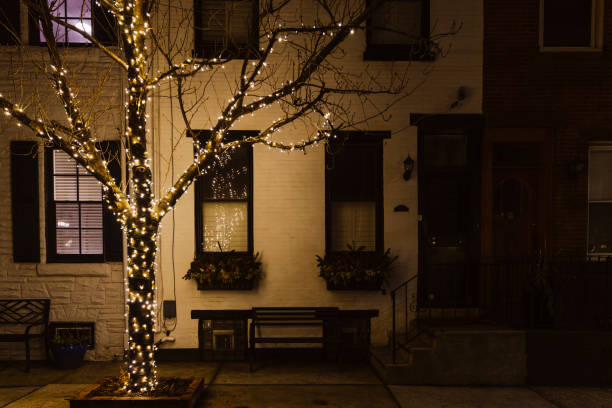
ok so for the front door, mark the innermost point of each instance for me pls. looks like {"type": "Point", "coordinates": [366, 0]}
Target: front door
{"type": "Point", "coordinates": [449, 205]}
{"type": "Point", "coordinates": [517, 173]}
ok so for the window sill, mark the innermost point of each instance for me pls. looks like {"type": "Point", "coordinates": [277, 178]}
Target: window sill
{"type": "Point", "coordinates": [571, 49]}
{"type": "Point", "coordinates": [390, 52]}
{"type": "Point", "coordinates": [229, 54]}
{"type": "Point", "coordinates": [73, 269]}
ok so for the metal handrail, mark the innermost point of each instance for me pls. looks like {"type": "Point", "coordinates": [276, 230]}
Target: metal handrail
{"type": "Point", "coordinates": [404, 285]}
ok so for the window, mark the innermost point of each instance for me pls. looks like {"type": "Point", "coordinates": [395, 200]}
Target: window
{"type": "Point", "coordinates": [226, 28]}
{"type": "Point", "coordinates": [78, 226]}
{"type": "Point", "coordinates": [224, 200]}
{"type": "Point", "coordinates": [83, 14]}
{"type": "Point", "coordinates": [353, 183]}
{"type": "Point", "coordinates": [600, 201]}
{"type": "Point", "coordinates": [9, 22]}
{"type": "Point", "coordinates": [399, 30]}
{"type": "Point", "coordinates": [571, 25]}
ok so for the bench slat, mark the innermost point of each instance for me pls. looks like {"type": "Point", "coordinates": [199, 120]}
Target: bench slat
{"type": "Point", "coordinates": [289, 340]}
{"type": "Point", "coordinates": [18, 337]}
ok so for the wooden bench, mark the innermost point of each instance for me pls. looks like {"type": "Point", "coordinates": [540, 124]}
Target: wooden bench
{"type": "Point", "coordinates": [29, 313]}
{"type": "Point", "coordinates": [316, 317]}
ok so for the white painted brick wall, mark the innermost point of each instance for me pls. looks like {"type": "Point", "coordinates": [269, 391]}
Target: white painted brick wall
{"type": "Point", "coordinates": [75, 294]}
{"type": "Point", "coordinates": [289, 213]}
{"type": "Point", "coordinates": [289, 202]}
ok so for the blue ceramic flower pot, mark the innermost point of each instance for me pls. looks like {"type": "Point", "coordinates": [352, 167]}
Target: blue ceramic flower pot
{"type": "Point", "coordinates": [68, 355]}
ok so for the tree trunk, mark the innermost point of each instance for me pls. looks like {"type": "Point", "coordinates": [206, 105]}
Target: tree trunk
{"type": "Point", "coordinates": [140, 297]}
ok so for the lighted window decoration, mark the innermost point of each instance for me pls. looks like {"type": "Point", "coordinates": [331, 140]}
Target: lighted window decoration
{"type": "Point", "coordinates": [75, 227]}
{"type": "Point", "coordinates": [75, 12]}
{"type": "Point", "coordinates": [224, 202]}
{"type": "Point", "coordinates": [354, 193]}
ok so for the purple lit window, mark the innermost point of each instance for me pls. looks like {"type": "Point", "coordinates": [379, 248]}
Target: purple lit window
{"type": "Point", "coordinates": [74, 12]}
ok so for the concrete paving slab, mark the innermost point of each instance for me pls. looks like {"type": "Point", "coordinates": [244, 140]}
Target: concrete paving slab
{"type": "Point", "coordinates": [90, 372]}
{"type": "Point", "coordinates": [576, 397]}
{"type": "Point", "coordinates": [50, 396]}
{"type": "Point", "coordinates": [11, 394]}
{"type": "Point", "coordinates": [300, 373]}
{"type": "Point", "coordinates": [12, 374]}
{"type": "Point", "coordinates": [467, 397]}
{"type": "Point", "coordinates": [297, 396]}
{"type": "Point", "coordinates": [189, 369]}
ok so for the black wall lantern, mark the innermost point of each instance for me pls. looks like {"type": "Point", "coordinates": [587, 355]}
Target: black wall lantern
{"type": "Point", "coordinates": [408, 167]}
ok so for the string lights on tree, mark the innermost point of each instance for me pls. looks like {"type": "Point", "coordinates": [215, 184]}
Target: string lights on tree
{"type": "Point", "coordinates": [290, 74]}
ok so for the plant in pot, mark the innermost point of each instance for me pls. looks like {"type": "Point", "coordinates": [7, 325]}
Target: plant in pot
{"type": "Point", "coordinates": [225, 270]}
{"type": "Point", "coordinates": [68, 347]}
{"type": "Point", "coordinates": [355, 268]}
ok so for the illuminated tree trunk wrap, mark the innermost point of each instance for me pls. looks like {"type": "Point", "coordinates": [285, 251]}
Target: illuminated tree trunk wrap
{"type": "Point", "coordinates": [142, 225]}
{"type": "Point", "coordinates": [142, 372]}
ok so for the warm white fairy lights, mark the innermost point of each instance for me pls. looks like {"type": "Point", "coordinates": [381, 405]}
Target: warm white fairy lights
{"type": "Point", "coordinates": [139, 212]}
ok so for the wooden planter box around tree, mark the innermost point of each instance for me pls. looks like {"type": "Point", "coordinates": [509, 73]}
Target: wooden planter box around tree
{"type": "Point", "coordinates": [188, 399]}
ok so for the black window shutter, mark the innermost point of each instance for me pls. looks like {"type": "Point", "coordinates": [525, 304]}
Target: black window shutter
{"type": "Point", "coordinates": [197, 30]}
{"type": "Point", "coordinates": [104, 25]}
{"type": "Point", "coordinates": [9, 22]}
{"type": "Point", "coordinates": [24, 190]}
{"type": "Point", "coordinates": [113, 238]}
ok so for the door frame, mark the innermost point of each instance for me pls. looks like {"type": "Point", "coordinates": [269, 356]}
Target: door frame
{"type": "Point", "coordinates": [545, 136]}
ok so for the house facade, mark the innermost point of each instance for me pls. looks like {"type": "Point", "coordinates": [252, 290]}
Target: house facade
{"type": "Point", "coordinates": [283, 208]}
{"type": "Point", "coordinates": [545, 90]}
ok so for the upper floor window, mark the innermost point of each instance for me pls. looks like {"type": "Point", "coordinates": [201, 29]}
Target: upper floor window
{"type": "Point", "coordinates": [600, 200]}
{"type": "Point", "coordinates": [571, 25]}
{"type": "Point", "coordinates": [353, 184]}
{"type": "Point", "coordinates": [73, 12]}
{"type": "Point", "coordinates": [78, 226]}
{"type": "Point", "coordinates": [224, 200]}
{"type": "Point", "coordinates": [85, 15]}
{"type": "Point", "coordinates": [399, 30]}
{"type": "Point", "coordinates": [226, 28]}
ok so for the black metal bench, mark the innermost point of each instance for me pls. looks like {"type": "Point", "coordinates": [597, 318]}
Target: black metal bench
{"type": "Point", "coordinates": [29, 313]}
{"type": "Point", "coordinates": [323, 317]}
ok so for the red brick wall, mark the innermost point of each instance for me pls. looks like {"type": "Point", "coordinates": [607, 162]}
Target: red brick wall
{"type": "Point", "coordinates": [570, 92]}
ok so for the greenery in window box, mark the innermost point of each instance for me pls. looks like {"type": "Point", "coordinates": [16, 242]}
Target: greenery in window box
{"type": "Point", "coordinates": [225, 270]}
{"type": "Point", "coordinates": [355, 268]}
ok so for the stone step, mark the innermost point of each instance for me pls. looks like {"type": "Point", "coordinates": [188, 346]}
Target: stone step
{"type": "Point", "coordinates": [458, 354]}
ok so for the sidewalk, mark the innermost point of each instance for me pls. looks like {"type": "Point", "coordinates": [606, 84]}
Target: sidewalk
{"type": "Point", "coordinates": [289, 385]}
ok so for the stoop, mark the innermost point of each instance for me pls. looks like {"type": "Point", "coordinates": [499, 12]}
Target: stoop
{"type": "Point", "coordinates": [456, 355]}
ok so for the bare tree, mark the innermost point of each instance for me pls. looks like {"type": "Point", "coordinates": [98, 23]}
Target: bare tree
{"type": "Point", "coordinates": [296, 66]}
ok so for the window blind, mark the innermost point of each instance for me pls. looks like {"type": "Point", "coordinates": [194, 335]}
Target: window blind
{"type": "Point", "coordinates": [78, 208]}
{"type": "Point", "coordinates": [353, 223]}
{"type": "Point", "coordinates": [225, 226]}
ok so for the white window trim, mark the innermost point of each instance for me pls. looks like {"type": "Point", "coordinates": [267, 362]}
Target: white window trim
{"type": "Point", "coordinates": [603, 146]}
{"type": "Point", "coordinates": [597, 30]}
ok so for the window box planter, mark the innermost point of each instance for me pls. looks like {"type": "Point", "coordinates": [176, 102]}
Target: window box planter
{"type": "Point", "coordinates": [235, 285]}
{"type": "Point", "coordinates": [355, 269]}
{"type": "Point", "coordinates": [96, 396]}
{"type": "Point", "coordinates": [225, 271]}
{"type": "Point", "coordinates": [354, 285]}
